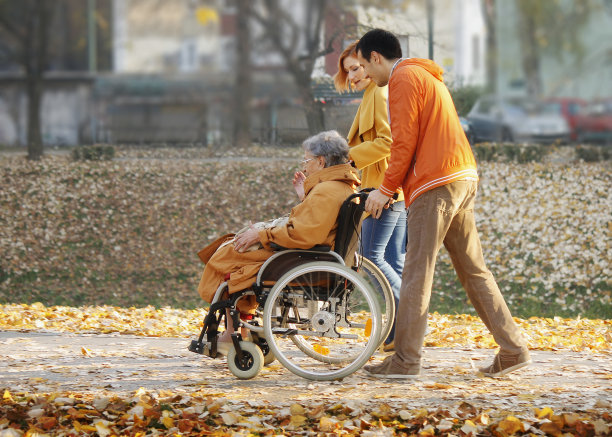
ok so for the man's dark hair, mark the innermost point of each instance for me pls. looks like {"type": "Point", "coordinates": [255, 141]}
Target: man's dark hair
{"type": "Point", "coordinates": [381, 41]}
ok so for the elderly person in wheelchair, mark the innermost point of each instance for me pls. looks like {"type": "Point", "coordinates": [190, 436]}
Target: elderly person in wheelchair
{"type": "Point", "coordinates": [325, 183]}
{"type": "Point", "coordinates": [295, 286]}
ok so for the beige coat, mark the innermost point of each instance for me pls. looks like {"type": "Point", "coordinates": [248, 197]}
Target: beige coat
{"type": "Point", "coordinates": [370, 137]}
{"type": "Point", "coordinates": [311, 223]}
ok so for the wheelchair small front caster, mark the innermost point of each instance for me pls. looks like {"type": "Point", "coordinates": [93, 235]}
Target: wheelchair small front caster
{"type": "Point", "coordinates": [268, 355]}
{"type": "Point", "coordinates": [251, 363]}
{"type": "Point", "coordinates": [196, 346]}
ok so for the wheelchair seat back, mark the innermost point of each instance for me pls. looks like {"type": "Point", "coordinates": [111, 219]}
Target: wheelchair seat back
{"type": "Point", "coordinates": [345, 244]}
{"type": "Point", "coordinates": [281, 262]}
{"type": "Point", "coordinates": [349, 222]}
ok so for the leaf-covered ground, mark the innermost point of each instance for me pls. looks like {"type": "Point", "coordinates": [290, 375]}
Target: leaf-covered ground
{"type": "Point", "coordinates": [111, 384]}
{"type": "Point", "coordinates": [166, 413]}
{"type": "Point", "coordinates": [109, 248]}
{"type": "Point", "coordinates": [126, 232]}
{"type": "Point", "coordinates": [445, 330]}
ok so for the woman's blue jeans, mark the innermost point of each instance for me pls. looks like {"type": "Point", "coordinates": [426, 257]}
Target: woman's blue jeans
{"type": "Point", "coordinates": [383, 241]}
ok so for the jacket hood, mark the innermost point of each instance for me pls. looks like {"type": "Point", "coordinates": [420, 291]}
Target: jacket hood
{"type": "Point", "coordinates": [341, 173]}
{"type": "Point", "coordinates": [434, 69]}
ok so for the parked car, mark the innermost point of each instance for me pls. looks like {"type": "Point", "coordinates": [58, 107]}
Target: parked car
{"type": "Point", "coordinates": [594, 123]}
{"type": "Point", "coordinates": [516, 119]}
{"type": "Point", "coordinates": [568, 107]}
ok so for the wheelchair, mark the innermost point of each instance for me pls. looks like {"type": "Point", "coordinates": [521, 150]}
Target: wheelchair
{"type": "Point", "coordinates": [322, 313]}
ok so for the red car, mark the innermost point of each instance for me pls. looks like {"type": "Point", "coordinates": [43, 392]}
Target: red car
{"type": "Point", "coordinates": [570, 108]}
{"type": "Point", "coordinates": [594, 124]}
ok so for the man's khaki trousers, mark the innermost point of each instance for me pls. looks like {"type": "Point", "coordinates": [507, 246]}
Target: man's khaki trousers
{"type": "Point", "coordinates": [445, 215]}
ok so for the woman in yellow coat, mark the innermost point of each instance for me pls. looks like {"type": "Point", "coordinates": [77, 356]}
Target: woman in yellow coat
{"type": "Point", "coordinates": [327, 180]}
{"type": "Point", "coordinates": [383, 240]}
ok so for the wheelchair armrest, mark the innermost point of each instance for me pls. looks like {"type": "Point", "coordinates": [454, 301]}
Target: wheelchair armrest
{"type": "Point", "coordinates": [318, 248]}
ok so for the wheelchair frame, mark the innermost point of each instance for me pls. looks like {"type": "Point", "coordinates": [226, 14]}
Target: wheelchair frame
{"type": "Point", "coordinates": [293, 288]}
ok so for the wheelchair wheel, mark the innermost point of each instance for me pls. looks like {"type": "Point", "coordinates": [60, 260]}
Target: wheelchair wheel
{"type": "Point", "coordinates": [322, 320]}
{"type": "Point", "coordinates": [252, 360]}
{"type": "Point", "coordinates": [386, 299]}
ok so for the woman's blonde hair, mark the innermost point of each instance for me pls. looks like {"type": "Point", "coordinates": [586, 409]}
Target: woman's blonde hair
{"type": "Point", "coordinates": [341, 81]}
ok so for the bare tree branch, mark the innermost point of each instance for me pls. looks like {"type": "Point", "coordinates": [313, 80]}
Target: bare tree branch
{"type": "Point", "coordinates": [299, 45]}
{"type": "Point", "coordinates": [12, 30]}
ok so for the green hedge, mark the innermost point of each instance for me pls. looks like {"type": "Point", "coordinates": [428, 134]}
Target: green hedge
{"type": "Point", "coordinates": [465, 97]}
{"type": "Point", "coordinates": [592, 153]}
{"type": "Point", "coordinates": [522, 153]}
{"type": "Point", "coordinates": [510, 152]}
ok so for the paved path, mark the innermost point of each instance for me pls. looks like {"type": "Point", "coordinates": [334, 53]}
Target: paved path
{"type": "Point", "coordinates": [105, 365]}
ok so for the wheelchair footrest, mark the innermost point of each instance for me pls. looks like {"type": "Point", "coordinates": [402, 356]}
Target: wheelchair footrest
{"type": "Point", "coordinates": [197, 347]}
{"type": "Point", "coordinates": [285, 332]}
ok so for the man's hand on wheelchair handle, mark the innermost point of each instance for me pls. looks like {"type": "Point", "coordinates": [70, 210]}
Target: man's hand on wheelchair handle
{"type": "Point", "coordinates": [246, 239]}
{"type": "Point", "coordinates": [376, 202]}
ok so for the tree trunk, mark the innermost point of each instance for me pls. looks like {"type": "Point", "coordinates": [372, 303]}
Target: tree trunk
{"type": "Point", "coordinates": [313, 110]}
{"type": "Point", "coordinates": [35, 56]}
{"type": "Point", "coordinates": [243, 88]}
{"type": "Point", "coordinates": [34, 93]}
{"type": "Point", "coordinates": [489, 14]}
{"type": "Point", "coordinates": [530, 54]}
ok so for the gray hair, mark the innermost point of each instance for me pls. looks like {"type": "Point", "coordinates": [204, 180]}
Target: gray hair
{"type": "Point", "coordinates": [330, 145]}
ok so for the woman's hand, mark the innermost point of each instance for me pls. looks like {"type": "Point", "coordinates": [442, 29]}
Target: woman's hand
{"type": "Point", "coordinates": [298, 184]}
{"type": "Point", "coordinates": [245, 240]}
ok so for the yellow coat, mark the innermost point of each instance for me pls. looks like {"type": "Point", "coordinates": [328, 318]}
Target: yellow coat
{"type": "Point", "coordinates": [311, 223]}
{"type": "Point", "coordinates": [370, 137]}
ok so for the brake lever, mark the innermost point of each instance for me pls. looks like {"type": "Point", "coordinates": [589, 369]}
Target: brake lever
{"type": "Point", "coordinates": [394, 197]}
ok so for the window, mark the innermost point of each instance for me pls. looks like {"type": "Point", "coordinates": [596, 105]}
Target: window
{"type": "Point", "coordinates": [485, 106]}
{"type": "Point", "coordinates": [475, 52]}
{"type": "Point", "coordinates": [573, 108]}
{"type": "Point", "coordinates": [188, 57]}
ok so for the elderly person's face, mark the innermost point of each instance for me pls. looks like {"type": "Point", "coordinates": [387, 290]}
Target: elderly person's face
{"type": "Point", "coordinates": [312, 164]}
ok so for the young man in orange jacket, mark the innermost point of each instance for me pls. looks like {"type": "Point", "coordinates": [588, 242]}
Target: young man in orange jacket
{"type": "Point", "coordinates": [432, 161]}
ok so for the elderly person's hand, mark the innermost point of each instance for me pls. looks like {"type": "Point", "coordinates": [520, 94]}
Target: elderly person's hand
{"type": "Point", "coordinates": [245, 240]}
{"type": "Point", "coordinates": [298, 184]}
{"type": "Point", "coordinates": [376, 202]}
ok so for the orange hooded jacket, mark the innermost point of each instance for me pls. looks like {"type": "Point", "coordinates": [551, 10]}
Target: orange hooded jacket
{"type": "Point", "coordinates": [429, 146]}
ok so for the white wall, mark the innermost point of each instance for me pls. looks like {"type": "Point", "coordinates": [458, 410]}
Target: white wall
{"type": "Point", "coordinates": [456, 24]}
{"type": "Point", "coordinates": [161, 36]}
{"type": "Point", "coordinates": [588, 78]}
{"type": "Point", "coordinates": [470, 36]}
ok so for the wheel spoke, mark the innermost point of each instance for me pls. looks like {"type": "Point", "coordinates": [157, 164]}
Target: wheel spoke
{"type": "Point", "coordinates": [326, 310]}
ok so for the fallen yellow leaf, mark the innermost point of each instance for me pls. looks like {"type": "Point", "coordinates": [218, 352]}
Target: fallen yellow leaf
{"type": "Point", "coordinates": [544, 413]}
{"type": "Point", "coordinates": [551, 428]}
{"type": "Point", "coordinates": [298, 420]}
{"type": "Point", "coordinates": [510, 425]}
{"type": "Point", "coordinates": [168, 422]}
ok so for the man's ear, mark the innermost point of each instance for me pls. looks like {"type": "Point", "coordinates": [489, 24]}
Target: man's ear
{"type": "Point", "coordinates": [375, 57]}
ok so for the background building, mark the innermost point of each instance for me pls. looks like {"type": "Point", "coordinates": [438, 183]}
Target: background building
{"type": "Point", "coordinates": [165, 70]}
